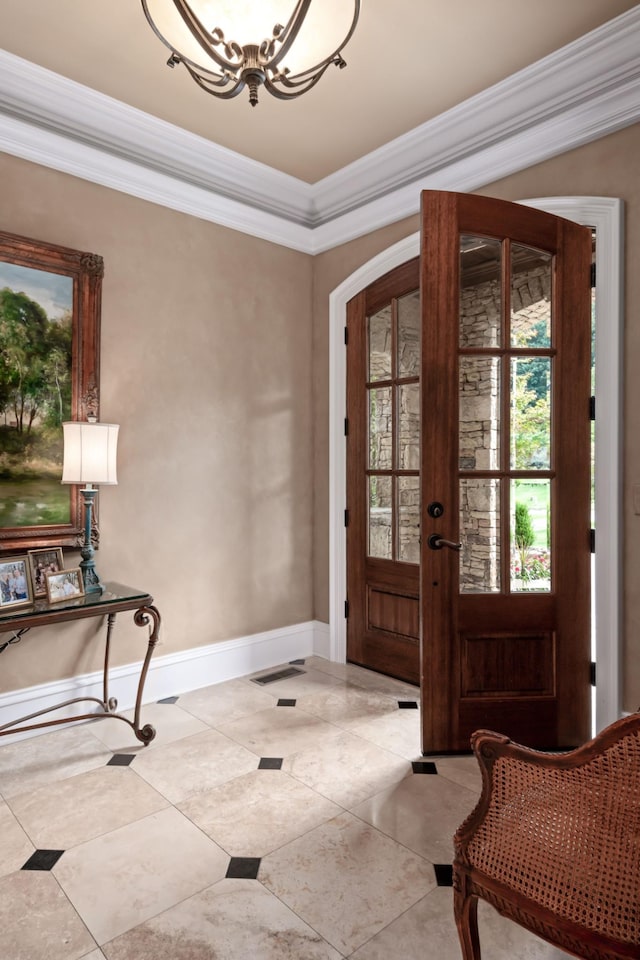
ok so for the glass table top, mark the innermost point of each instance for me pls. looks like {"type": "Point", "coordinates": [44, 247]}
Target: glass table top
{"type": "Point", "coordinates": [113, 595]}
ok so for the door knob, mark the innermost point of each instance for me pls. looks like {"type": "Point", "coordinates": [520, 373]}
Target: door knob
{"type": "Point", "coordinates": [437, 542]}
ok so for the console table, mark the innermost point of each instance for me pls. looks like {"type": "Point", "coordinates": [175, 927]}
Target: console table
{"type": "Point", "coordinates": [115, 599]}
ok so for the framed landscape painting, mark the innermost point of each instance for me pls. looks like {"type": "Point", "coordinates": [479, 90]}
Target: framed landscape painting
{"type": "Point", "coordinates": [49, 373]}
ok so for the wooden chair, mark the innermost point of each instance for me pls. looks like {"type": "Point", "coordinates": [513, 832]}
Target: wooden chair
{"type": "Point", "coordinates": [554, 844]}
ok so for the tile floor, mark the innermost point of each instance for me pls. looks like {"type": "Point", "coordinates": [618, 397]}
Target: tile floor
{"type": "Point", "coordinates": [281, 821]}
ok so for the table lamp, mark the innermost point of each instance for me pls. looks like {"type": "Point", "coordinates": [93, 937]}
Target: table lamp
{"type": "Point", "coordinates": [89, 457]}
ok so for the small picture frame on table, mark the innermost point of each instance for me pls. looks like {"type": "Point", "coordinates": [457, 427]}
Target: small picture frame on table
{"type": "Point", "coordinates": [42, 562]}
{"type": "Point", "coordinates": [15, 583]}
{"type": "Point", "coordinates": [64, 585]}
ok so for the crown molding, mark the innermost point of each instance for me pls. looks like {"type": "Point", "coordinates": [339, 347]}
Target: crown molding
{"type": "Point", "coordinates": [581, 92]}
{"type": "Point", "coordinates": [607, 60]}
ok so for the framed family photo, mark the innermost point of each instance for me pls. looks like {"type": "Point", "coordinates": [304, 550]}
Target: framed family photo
{"type": "Point", "coordinates": [42, 562]}
{"type": "Point", "coordinates": [64, 585]}
{"type": "Point", "coordinates": [15, 583]}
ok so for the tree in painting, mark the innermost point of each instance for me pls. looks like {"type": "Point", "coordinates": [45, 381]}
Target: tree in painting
{"type": "Point", "coordinates": [35, 398]}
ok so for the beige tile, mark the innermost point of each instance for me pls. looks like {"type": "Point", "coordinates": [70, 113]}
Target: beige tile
{"type": "Point", "coordinates": [462, 770]}
{"type": "Point", "coordinates": [347, 880]}
{"type": "Point", "coordinates": [347, 769]}
{"type": "Point", "coordinates": [425, 930]}
{"type": "Point", "coordinates": [37, 922]}
{"type": "Point", "coordinates": [15, 846]}
{"type": "Point", "coordinates": [62, 815]}
{"type": "Point", "coordinates": [225, 701]}
{"type": "Point", "coordinates": [502, 939]}
{"type": "Point", "coordinates": [279, 732]}
{"type": "Point", "coordinates": [348, 706]}
{"type": "Point", "coordinates": [431, 922]}
{"type": "Point", "coordinates": [422, 812]}
{"type": "Point", "coordinates": [360, 677]}
{"type": "Point", "coordinates": [308, 682]}
{"type": "Point", "coordinates": [257, 813]}
{"type": "Point", "coordinates": [397, 732]}
{"type": "Point", "coordinates": [28, 764]}
{"type": "Point", "coordinates": [194, 764]}
{"type": "Point", "coordinates": [125, 877]}
{"type": "Point", "coordinates": [171, 723]}
{"type": "Point", "coordinates": [232, 920]}
{"type": "Point", "coordinates": [94, 955]}
{"type": "Point", "coordinates": [377, 682]}
{"type": "Point", "coordinates": [339, 670]}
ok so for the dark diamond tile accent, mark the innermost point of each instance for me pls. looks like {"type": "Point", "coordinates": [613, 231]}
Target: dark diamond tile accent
{"type": "Point", "coordinates": [424, 766]}
{"type": "Point", "coordinates": [444, 874]}
{"type": "Point", "coordinates": [282, 702]}
{"type": "Point", "coordinates": [278, 675]}
{"type": "Point", "coordinates": [43, 859]}
{"type": "Point", "coordinates": [270, 763]}
{"type": "Point", "coordinates": [169, 700]}
{"type": "Point", "coordinates": [243, 868]}
{"type": "Point", "coordinates": [298, 663]}
{"type": "Point", "coordinates": [407, 704]}
{"type": "Point", "coordinates": [121, 759]}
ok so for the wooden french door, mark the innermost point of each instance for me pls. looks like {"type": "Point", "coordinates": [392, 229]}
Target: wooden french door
{"type": "Point", "coordinates": [505, 473]}
{"type": "Point", "coordinates": [383, 474]}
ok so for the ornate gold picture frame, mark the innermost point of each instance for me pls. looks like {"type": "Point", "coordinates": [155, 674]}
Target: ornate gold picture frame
{"type": "Point", "coordinates": [50, 301]}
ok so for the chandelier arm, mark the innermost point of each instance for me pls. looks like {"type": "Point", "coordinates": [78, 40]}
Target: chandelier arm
{"type": "Point", "coordinates": [331, 58]}
{"type": "Point", "coordinates": [296, 87]}
{"type": "Point", "coordinates": [204, 39]}
{"type": "Point", "coordinates": [296, 28]}
{"type": "Point", "coordinates": [291, 30]}
{"type": "Point", "coordinates": [203, 83]}
{"type": "Point", "coordinates": [206, 80]}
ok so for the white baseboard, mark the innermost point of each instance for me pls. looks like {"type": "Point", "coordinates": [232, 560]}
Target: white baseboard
{"type": "Point", "coordinates": [172, 674]}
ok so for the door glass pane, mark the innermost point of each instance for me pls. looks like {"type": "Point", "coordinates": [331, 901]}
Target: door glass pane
{"type": "Point", "coordinates": [480, 292]}
{"type": "Point", "coordinates": [530, 413]}
{"type": "Point", "coordinates": [380, 429]}
{"type": "Point", "coordinates": [409, 427]}
{"type": "Point", "coordinates": [479, 413]}
{"type": "Point", "coordinates": [380, 540]}
{"type": "Point", "coordinates": [379, 327]}
{"type": "Point", "coordinates": [409, 335]}
{"type": "Point", "coordinates": [530, 297]}
{"type": "Point", "coordinates": [531, 535]}
{"type": "Point", "coordinates": [409, 519]}
{"type": "Point", "coordinates": [480, 536]}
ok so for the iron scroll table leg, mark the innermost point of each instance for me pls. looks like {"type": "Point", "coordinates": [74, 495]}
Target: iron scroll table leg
{"type": "Point", "coordinates": [141, 618]}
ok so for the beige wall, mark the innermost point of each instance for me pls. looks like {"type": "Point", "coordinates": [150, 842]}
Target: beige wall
{"type": "Point", "coordinates": [607, 167]}
{"type": "Point", "coordinates": [206, 364]}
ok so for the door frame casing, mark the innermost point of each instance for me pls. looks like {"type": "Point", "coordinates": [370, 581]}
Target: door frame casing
{"type": "Point", "coordinates": [605, 215]}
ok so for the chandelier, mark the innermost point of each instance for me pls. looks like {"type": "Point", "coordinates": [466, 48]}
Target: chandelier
{"type": "Point", "coordinates": [232, 44]}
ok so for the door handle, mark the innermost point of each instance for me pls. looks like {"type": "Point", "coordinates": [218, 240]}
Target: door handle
{"type": "Point", "coordinates": [437, 542]}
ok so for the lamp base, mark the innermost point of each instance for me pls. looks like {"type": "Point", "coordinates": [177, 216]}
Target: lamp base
{"type": "Point", "coordinates": [90, 576]}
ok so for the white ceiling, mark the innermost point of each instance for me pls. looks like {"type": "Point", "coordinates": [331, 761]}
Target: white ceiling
{"type": "Point", "coordinates": [408, 62]}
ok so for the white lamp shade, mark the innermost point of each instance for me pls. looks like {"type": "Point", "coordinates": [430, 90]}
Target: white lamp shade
{"type": "Point", "coordinates": [90, 452]}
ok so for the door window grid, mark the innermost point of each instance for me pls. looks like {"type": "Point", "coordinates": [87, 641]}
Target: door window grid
{"type": "Point", "coordinates": [393, 405]}
{"type": "Point", "coordinates": [505, 455]}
